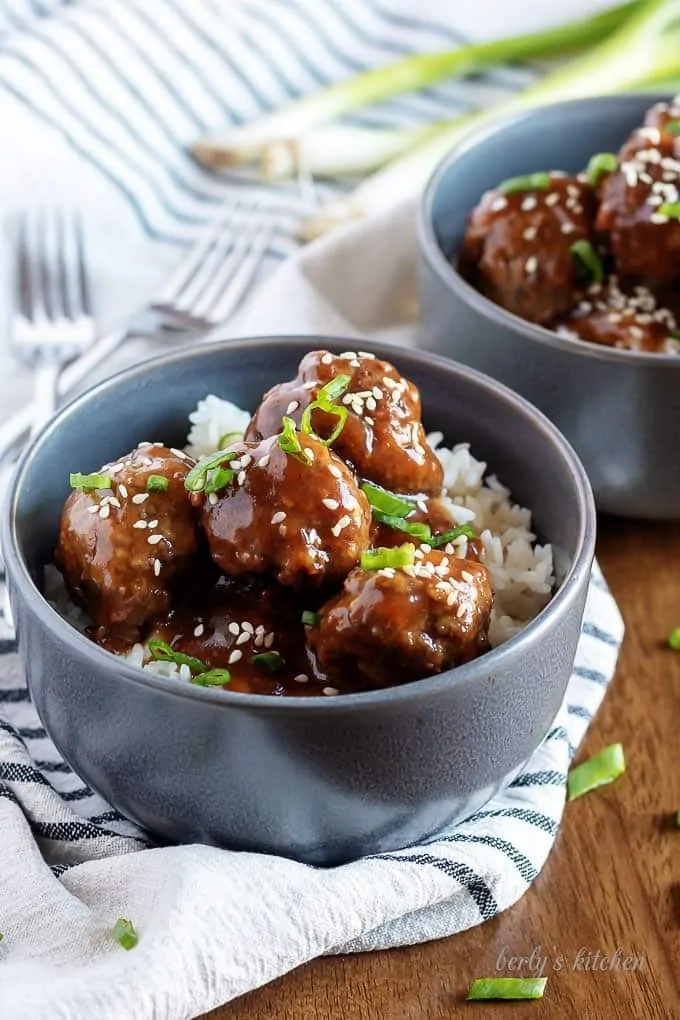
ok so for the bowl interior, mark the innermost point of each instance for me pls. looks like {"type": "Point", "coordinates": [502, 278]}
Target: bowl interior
{"type": "Point", "coordinates": [152, 402]}
{"type": "Point", "coordinates": [560, 137]}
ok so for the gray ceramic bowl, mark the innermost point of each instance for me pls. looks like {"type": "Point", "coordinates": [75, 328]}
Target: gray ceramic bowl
{"type": "Point", "coordinates": [321, 780]}
{"type": "Point", "coordinates": [620, 409]}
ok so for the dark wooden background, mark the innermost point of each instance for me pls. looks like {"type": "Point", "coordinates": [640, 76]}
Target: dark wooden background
{"type": "Point", "coordinates": [612, 880]}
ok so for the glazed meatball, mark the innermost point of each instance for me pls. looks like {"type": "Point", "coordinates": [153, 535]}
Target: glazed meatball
{"type": "Point", "coordinates": [382, 439]}
{"type": "Point", "coordinates": [634, 321]}
{"type": "Point", "coordinates": [405, 623]}
{"type": "Point", "coordinates": [642, 237]}
{"type": "Point", "coordinates": [517, 247]}
{"type": "Point", "coordinates": [301, 516]}
{"type": "Point", "coordinates": [121, 547]}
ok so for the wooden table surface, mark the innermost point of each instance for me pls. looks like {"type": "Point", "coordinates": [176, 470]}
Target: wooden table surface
{"type": "Point", "coordinates": [611, 882]}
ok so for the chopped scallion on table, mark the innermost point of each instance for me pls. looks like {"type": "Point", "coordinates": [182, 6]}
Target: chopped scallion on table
{"type": "Point", "coordinates": [601, 769]}
{"type": "Point", "coordinates": [674, 639]}
{"type": "Point", "coordinates": [378, 559]}
{"type": "Point", "coordinates": [156, 483]}
{"type": "Point", "coordinates": [89, 482]}
{"type": "Point", "coordinates": [589, 263]}
{"type": "Point", "coordinates": [161, 650]}
{"type": "Point", "coordinates": [601, 163]}
{"type": "Point", "coordinates": [507, 988]}
{"type": "Point", "coordinates": [124, 933]}
{"type": "Point", "coordinates": [530, 182]}
{"type": "Point", "coordinates": [269, 662]}
{"type": "Point", "coordinates": [310, 619]}
{"type": "Point", "coordinates": [212, 678]}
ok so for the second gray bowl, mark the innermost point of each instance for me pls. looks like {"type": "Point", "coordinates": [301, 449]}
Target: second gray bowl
{"type": "Point", "coordinates": [620, 409]}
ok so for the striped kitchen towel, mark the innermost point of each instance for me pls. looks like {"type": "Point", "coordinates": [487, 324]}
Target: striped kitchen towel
{"type": "Point", "coordinates": [100, 96]}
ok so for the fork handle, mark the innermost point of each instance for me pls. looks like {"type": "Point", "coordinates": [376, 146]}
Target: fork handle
{"type": "Point", "coordinates": [44, 394]}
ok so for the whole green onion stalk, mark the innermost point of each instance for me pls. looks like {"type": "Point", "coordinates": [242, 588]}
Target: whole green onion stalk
{"type": "Point", "coordinates": [644, 49]}
{"type": "Point", "coordinates": [298, 134]}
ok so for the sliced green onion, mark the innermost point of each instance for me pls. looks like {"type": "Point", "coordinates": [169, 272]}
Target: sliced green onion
{"type": "Point", "coordinates": [124, 933]}
{"type": "Point", "coordinates": [599, 770]}
{"type": "Point", "coordinates": [218, 479]}
{"type": "Point", "coordinates": [399, 556]}
{"type": "Point", "coordinates": [450, 536]}
{"type": "Point", "coordinates": [670, 209]}
{"type": "Point", "coordinates": [269, 662]}
{"type": "Point", "coordinates": [87, 482]}
{"type": "Point", "coordinates": [212, 678]}
{"type": "Point", "coordinates": [418, 529]}
{"type": "Point", "coordinates": [156, 483]}
{"type": "Point", "coordinates": [677, 825]}
{"type": "Point", "coordinates": [507, 988]}
{"type": "Point", "coordinates": [1, 936]}
{"type": "Point", "coordinates": [530, 182]}
{"type": "Point", "coordinates": [162, 651]}
{"type": "Point", "coordinates": [589, 263]}
{"type": "Point", "coordinates": [289, 442]}
{"type": "Point", "coordinates": [601, 163]}
{"type": "Point", "coordinates": [196, 479]}
{"type": "Point", "coordinates": [229, 437]}
{"type": "Point", "coordinates": [386, 502]}
{"type": "Point", "coordinates": [673, 127]}
{"type": "Point", "coordinates": [324, 402]}
{"type": "Point", "coordinates": [334, 389]}
{"type": "Point", "coordinates": [674, 639]}
{"type": "Point", "coordinates": [310, 619]}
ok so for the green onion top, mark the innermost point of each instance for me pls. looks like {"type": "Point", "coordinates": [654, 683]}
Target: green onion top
{"type": "Point", "coordinates": [437, 541]}
{"type": "Point", "coordinates": [218, 479]}
{"type": "Point", "coordinates": [531, 182]}
{"type": "Point", "coordinates": [386, 502]}
{"type": "Point", "coordinates": [599, 770]}
{"type": "Point", "coordinates": [212, 678]}
{"type": "Point", "coordinates": [157, 483]}
{"type": "Point", "coordinates": [124, 933]}
{"type": "Point", "coordinates": [601, 163]}
{"type": "Point", "coordinates": [290, 443]}
{"type": "Point", "coordinates": [670, 209]}
{"type": "Point", "coordinates": [334, 389]}
{"type": "Point", "coordinates": [88, 482]}
{"type": "Point", "coordinates": [673, 127]}
{"type": "Point", "coordinates": [589, 264]}
{"type": "Point", "coordinates": [161, 650]}
{"type": "Point", "coordinates": [399, 556]}
{"type": "Point", "coordinates": [674, 639]}
{"type": "Point", "coordinates": [197, 479]}
{"type": "Point", "coordinates": [310, 619]}
{"type": "Point", "coordinates": [507, 988]}
{"type": "Point", "coordinates": [418, 529]}
{"type": "Point", "coordinates": [324, 402]}
{"type": "Point", "coordinates": [269, 662]}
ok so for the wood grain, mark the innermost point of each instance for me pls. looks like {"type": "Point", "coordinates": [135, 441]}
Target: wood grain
{"type": "Point", "coordinates": [612, 880]}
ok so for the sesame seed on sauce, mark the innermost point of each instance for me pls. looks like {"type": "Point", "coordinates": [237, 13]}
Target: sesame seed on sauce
{"type": "Point", "coordinates": [243, 637]}
{"type": "Point", "coordinates": [344, 522]}
{"type": "Point", "coordinates": [330, 691]}
{"type": "Point", "coordinates": [248, 627]}
{"type": "Point", "coordinates": [179, 453]}
{"type": "Point", "coordinates": [330, 504]}
{"type": "Point", "coordinates": [199, 630]}
{"type": "Point", "coordinates": [302, 678]}
{"type": "Point", "coordinates": [309, 452]}
{"type": "Point", "coordinates": [658, 218]}
{"type": "Point", "coordinates": [293, 406]}
{"type": "Point", "coordinates": [531, 265]}
{"type": "Point", "coordinates": [327, 359]}
{"type": "Point", "coordinates": [498, 204]}
{"type": "Point", "coordinates": [140, 525]}
{"type": "Point", "coordinates": [269, 639]}
{"type": "Point", "coordinates": [377, 393]}
{"type": "Point", "coordinates": [553, 198]}
{"type": "Point", "coordinates": [154, 539]}
{"type": "Point", "coordinates": [263, 461]}
{"type": "Point", "coordinates": [369, 420]}
{"type": "Point", "coordinates": [460, 612]}
{"type": "Point", "coordinates": [104, 511]}
{"type": "Point", "coordinates": [335, 471]}
{"type": "Point", "coordinates": [140, 497]}
{"type": "Point", "coordinates": [157, 567]}
{"type": "Point", "coordinates": [467, 576]}
{"type": "Point", "coordinates": [279, 516]}
{"type": "Point", "coordinates": [152, 524]}
{"type": "Point", "coordinates": [233, 628]}
{"type": "Point", "coordinates": [529, 203]}
{"type": "Point", "coordinates": [530, 233]}
{"type": "Point", "coordinates": [122, 490]}
{"type": "Point", "coordinates": [93, 509]}
{"type": "Point", "coordinates": [240, 478]}
{"type": "Point", "coordinates": [212, 499]}
{"type": "Point", "coordinates": [568, 227]}
{"type": "Point", "coordinates": [235, 656]}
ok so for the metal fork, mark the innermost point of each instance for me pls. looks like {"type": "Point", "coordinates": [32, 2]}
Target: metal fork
{"type": "Point", "coordinates": [52, 322]}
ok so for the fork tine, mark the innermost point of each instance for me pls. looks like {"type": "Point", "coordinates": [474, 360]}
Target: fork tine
{"type": "Point", "coordinates": [34, 262]}
{"type": "Point", "coordinates": [190, 297]}
{"type": "Point", "coordinates": [242, 278]}
{"type": "Point", "coordinates": [24, 290]}
{"type": "Point", "coordinates": [79, 282]}
{"type": "Point", "coordinates": [189, 265]}
{"type": "Point", "coordinates": [224, 272]}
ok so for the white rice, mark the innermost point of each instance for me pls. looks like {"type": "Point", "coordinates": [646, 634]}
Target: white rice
{"type": "Point", "coordinates": [521, 570]}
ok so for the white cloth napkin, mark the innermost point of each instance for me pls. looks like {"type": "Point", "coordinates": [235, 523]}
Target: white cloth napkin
{"type": "Point", "coordinates": [214, 924]}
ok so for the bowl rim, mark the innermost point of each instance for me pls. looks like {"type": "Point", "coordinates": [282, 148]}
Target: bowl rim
{"type": "Point", "coordinates": [578, 574]}
{"type": "Point", "coordinates": [487, 309]}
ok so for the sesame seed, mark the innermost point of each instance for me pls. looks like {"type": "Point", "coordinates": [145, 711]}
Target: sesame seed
{"type": "Point", "coordinates": [498, 204]}
{"type": "Point", "coordinates": [235, 465]}
{"type": "Point", "coordinates": [467, 576]}
{"type": "Point", "coordinates": [248, 627]}
{"type": "Point", "coordinates": [240, 478]}
{"type": "Point", "coordinates": [349, 502]}
{"type": "Point", "coordinates": [302, 678]}
{"type": "Point", "coordinates": [93, 509]}
{"type": "Point", "coordinates": [235, 656]}
{"type": "Point", "coordinates": [327, 359]}
{"type": "Point", "coordinates": [309, 452]}
{"type": "Point", "coordinates": [140, 497]}
{"type": "Point", "coordinates": [198, 630]}
{"type": "Point", "coordinates": [451, 598]}
{"type": "Point", "coordinates": [263, 461]}
{"type": "Point", "coordinates": [330, 690]}
{"type": "Point", "coordinates": [528, 204]}
{"type": "Point", "coordinates": [658, 218]}
{"type": "Point", "coordinates": [293, 406]}
{"type": "Point", "coordinates": [279, 516]}
{"type": "Point", "coordinates": [377, 393]}
{"type": "Point", "coordinates": [531, 264]}
{"type": "Point", "coordinates": [331, 504]}
{"type": "Point", "coordinates": [212, 499]}
{"type": "Point", "coordinates": [178, 453]}
{"type": "Point", "coordinates": [335, 471]}
{"type": "Point", "coordinates": [243, 637]}
{"type": "Point", "coordinates": [140, 525]}
{"type": "Point", "coordinates": [234, 629]}
{"type": "Point", "coordinates": [154, 539]}
{"type": "Point", "coordinates": [259, 640]}
{"type": "Point", "coordinates": [568, 227]}
{"type": "Point", "coordinates": [184, 673]}
{"type": "Point", "coordinates": [269, 639]}
{"type": "Point", "coordinates": [366, 354]}
{"type": "Point", "coordinates": [448, 548]}
{"type": "Point", "coordinates": [344, 521]}
{"type": "Point", "coordinates": [553, 198]}
{"type": "Point", "coordinates": [371, 404]}
{"type": "Point", "coordinates": [530, 233]}
{"type": "Point", "coordinates": [157, 567]}
{"type": "Point", "coordinates": [355, 363]}
{"type": "Point", "coordinates": [152, 524]}
{"type": "Point", "coordinates": [104, 511]}
{"type": "Point", "coordinates": [123, 491]}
